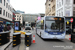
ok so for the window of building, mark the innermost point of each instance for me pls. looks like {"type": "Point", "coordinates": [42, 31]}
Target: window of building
{"type": "Point", "coordinates": [4, 2]}
{"type": "Point", "coordinates": [49, 4]}
{"type": "Point", "coordinates": [53, 8]}
{"type": "Point", "coordinates": [0, 1]}
{"type": "Point", "coordinates": [20, 16]}
{"type": "Point", "coordinates": [62, 2]}
{"type": "Point", "coordinates": [57, 5]}
{"type": "Point", "coordinates": [17, 18]}
{"type": "Point", "coordinates": [62, 13]}
{"type": "Point", "coordinates": [59, 14]}
{"type": "Point", "coordinates": [0, 10]}
{"type": "Point", "coordinates": [6, 14]}
{"type": "Point", "coordinates": [74, 1]}
{"type": "Point", "coordinates": [6, 5]}
{"type": "Point", "coordinates": [9, 7]}
{"type": "Point", "coordinates": [3, 12]}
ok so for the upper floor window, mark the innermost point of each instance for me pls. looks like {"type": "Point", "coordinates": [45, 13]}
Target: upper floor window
{"type": "Point", "coordinates": [4, 2]}
{"type": "Point", "coordinates": [6, 14]}
{"type": "Point", "coordinates": [49, 4]}
{"type": "Point", "coordinates": [0, 10]}
{"type": "Point", "coordinates": [10, 15]}
{"type": "Point", "coordinates": [17, 16]}
{"type": "Point", "coordinates": [3, 12]}
{"type": "Point", "coordinates": [62, 2]}
{"type": "Point", "coordinates": [20, 16]}
{"type": "Point", "coordinates": [0, 1]}
{"type": "Point", "coordinates": [9, 7]}
{"type": "Point", "coordinates": [6, 5]}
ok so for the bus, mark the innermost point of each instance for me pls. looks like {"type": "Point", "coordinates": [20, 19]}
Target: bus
{"type": "Point", "coordinates": [51, 27]}
{"type": "Point", "coordinates": [27, 24]}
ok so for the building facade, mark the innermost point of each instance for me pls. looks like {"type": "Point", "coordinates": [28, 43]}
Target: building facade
{"type": "Point", "coordinates": [22, 12]}
{"type": "Point", "coordinates": [50, 8]}
{"type": "Point", "coordinates": [19, 17]}
{"type": "Point", "coordinates": [5, 10]}
{"type": "Point", "coordinates": [30, 17]}
{"type": "Point", "coordinates": [64, 7]}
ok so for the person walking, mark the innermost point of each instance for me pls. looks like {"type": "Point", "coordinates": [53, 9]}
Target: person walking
{"type": "Point", "coordinates": [1, 28]}
{"type": "Point", "coordinates": [8, 27]}
{"type": "Point", "coordinates": [5, 28]}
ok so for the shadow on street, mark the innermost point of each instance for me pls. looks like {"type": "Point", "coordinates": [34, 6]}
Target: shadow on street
{"type": "Point", "coordinates": [53, 40]}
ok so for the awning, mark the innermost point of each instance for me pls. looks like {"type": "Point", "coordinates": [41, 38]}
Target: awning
{"type": "Point", "coordinates": [7, 22]}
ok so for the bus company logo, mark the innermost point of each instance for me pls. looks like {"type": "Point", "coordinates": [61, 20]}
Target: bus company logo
{"type": "Point", "coordinates": [54, 33]}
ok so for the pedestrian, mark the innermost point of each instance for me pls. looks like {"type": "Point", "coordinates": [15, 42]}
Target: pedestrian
{"type": "Point", "coordinates": [8, 27]}
{"type": "Point", "coordinates": [5, 28]}
{"type": "Point", "coordinates": [1, 28]}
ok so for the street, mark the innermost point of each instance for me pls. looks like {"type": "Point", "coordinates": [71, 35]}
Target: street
{"type": "Point", "coordinates": [48, 44]}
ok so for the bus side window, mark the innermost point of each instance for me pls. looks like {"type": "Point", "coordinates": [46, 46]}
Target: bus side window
{"type": "Point", "coordinates": [42, 26]}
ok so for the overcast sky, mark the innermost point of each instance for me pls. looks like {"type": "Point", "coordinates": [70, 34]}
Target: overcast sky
{"type": "Point", "coordinates": [29, 6]}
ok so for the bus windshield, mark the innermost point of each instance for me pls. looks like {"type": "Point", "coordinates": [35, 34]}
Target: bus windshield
{"type": "Point", "coordinates": [54, 26]}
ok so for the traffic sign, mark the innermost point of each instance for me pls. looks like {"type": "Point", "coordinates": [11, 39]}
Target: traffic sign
{"type": "Point", "coordinates": [71, 20]}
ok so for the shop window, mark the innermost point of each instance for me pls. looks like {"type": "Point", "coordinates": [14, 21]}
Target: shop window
{"type": "Point", "coordinates": [3, 12]}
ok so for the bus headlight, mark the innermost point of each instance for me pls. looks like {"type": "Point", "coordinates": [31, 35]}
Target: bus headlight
{"type": "Point", "coordinates": [46, 33]}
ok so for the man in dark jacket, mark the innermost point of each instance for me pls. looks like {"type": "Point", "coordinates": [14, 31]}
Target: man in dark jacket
{"type": "Point", "coordinates": [5, 28]}
{"type": "Point", "coordinates": [1, 28]}
{"type": "Point", "coordinates": [8, 27]}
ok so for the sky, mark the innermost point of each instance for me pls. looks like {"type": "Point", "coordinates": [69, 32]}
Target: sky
{"type": "Point", "coordinates": [29, 6]}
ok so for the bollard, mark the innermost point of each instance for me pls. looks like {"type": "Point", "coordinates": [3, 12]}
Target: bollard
{"type": "Point", "coordinates": [4, 37]}
{"type": "Point", "coordinates": [73, 38]}
{"type": "Point", "coordinates": [28, 39]}
{"type": "Point", "coordinates": [16, 39]}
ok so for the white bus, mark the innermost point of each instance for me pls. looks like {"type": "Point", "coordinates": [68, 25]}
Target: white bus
{"type": "Point", "coordinates": [51, 27]}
